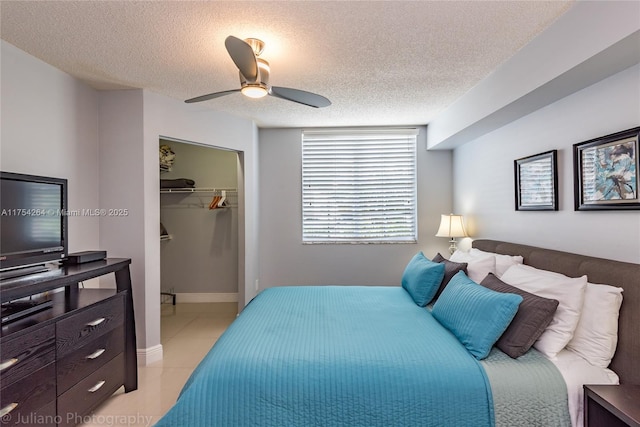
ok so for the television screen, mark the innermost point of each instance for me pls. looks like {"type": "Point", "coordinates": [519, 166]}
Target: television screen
{"type": "Point", "coordinates": [33, 222]}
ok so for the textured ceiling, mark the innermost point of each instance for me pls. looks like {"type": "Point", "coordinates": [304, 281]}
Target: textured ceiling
{"type": "Point", "coordinates": [380, 63]}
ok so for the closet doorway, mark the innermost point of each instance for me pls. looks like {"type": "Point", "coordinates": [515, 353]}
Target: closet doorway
{"type": "Point", "coordinates": [199, 224]}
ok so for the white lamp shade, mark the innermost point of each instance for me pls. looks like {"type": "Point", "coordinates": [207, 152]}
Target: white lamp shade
{"type": "Point", "coordinates": [451, 226]}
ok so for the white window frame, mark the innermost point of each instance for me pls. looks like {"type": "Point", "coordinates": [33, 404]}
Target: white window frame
{"type": "Point", "coordinates": [379, 205]}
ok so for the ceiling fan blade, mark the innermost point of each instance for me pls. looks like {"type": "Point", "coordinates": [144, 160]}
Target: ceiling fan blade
{"type": "Point", "coordinates": [242, 55]}
{"type": "Point", "coordinates": [211, 96]}
{"type": "Point", "coordinates": [300, 96]}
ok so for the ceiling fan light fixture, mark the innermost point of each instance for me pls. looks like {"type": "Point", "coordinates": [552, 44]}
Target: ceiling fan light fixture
{"type": "Point", "coordinates": [257, 45]}
{"type": "Point", "coordinates": [254, 75]}
{"type": "Point", "coordinates": [254, 91]}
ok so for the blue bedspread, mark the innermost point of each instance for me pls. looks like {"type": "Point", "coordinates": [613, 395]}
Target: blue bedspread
{"type": "Point", "coordinates": [335, 356]}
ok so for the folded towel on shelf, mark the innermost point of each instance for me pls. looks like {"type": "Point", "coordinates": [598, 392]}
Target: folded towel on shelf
{"type": "Point", "coordinates": [177, 183]}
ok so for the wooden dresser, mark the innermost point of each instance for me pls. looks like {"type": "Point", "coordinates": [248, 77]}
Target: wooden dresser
{"type": "Point", "coordinates": [60, 363]}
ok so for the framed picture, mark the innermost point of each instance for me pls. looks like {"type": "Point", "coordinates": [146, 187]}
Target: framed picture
{"type": "Point", "coordinates": [606, 172]}
{"type": "Point", "coordinates": [536, 182]}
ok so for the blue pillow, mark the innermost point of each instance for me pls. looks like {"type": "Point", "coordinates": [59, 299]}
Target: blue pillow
{"type": "Point", "coordinates": [477, 316]}
{"type": "Point", "coordinates": [422, 278]}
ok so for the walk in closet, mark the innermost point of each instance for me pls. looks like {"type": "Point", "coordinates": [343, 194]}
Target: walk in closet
{"type": "Point", "coordinates": [199, 223]}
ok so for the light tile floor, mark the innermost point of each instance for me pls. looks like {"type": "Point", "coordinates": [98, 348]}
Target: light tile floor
{"type": "Point", "coordinates": [187, 333]}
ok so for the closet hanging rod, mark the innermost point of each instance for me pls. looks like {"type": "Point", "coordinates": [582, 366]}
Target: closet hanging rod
{"type": "Point", "coordinates": [196, 190]}
{"type": "Point", "coordinates": [200, 206]}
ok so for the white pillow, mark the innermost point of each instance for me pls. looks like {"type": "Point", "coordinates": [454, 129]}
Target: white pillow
{"type": "Point", "coordinates": [596, 336]}
{"type": "Point", "coordinates": [568, 291]}
{"type": "Point", "coordinates": [503, 262]}
{"type": "Point", "coordinates": [477, 266]}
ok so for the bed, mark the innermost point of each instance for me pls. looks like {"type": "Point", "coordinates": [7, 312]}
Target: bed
{"type": "Point", "coordinates": [575, 370]}
{"type": "Point", "coordinates": [371, 356]}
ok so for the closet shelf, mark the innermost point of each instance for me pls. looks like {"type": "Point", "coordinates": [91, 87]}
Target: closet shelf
{"type": "Point", "coordinates": [165, 237]}
{"type": "Point", "coordinates": [199, 197]}
{"type": "Point", "coordinates": [195, 190]}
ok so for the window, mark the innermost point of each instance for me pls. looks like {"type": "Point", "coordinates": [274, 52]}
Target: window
{"type": "Point", "coordinates": [359, 186]}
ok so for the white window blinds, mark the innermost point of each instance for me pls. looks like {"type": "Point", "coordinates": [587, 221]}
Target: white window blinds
{"type": "Point", "coordinates": [359, 186]}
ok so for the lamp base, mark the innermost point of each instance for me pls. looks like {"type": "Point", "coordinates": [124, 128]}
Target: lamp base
{"type": "Point", "coordinates": [452, 245]}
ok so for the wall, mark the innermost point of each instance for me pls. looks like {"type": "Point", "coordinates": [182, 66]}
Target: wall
{"type": "Point", "coordinates": [131, 124]}
{"type": "Point", "coordinates": [121, 179]}
{"type": "Point", "coordinates": [165, 117]}
{"type": "Point", "coordinates": [484, 182]}
{"type": "Point", "coordinates": [284, 260]}
{"type": "Point", "coordinates": [50, 127]}
{"type": "Point", "coordinates": [106, 145]}
{"type": "Point", "coordinates": [202, 255]}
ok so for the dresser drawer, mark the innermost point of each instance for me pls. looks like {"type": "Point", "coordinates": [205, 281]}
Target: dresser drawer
{"type": "Point", "coordinates": [42, 417]}
{"type": "Point", "coordinates": [91, 391]}
{"type": "Point", "coordinates": [21, 356]}
{"type": "Point", "coordinates": [87, 325]}
{"type": "Point", "coordinates": [22, 399]}
{"type": "Point", "coordinates": [75, 366]}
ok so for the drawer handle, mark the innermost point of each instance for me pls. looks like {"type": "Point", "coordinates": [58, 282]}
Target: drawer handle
{"type": "Point", "coordinates": [96, 387]}
{"type": "Point", "coordinates": [96, 322]}
{"type": "Point", "coordinates": [7, 409]}
{"type": "Point", "coordinates": [96, 353]}
{"type": "Point", "coordinates": [8, 363]}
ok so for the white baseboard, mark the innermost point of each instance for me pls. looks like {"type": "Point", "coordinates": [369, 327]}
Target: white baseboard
{"type": "Point", "coordinates": [149, 355]}
{"type": "Point", "coordinates": [206, 297]}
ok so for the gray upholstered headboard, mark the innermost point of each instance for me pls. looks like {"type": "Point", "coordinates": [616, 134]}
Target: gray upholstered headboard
{"type": "Point", "coordinates": [626, 362]}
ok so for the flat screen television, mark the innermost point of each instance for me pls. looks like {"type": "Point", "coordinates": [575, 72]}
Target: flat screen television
{"type": "Point", "coordinates": [33, 221]}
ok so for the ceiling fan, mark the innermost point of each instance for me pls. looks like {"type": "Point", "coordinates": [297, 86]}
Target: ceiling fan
{"type": "Point", "coordinates": [254, 76]}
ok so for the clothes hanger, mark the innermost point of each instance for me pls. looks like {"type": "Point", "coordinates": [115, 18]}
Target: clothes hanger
{"type": "Point", "coordinates": [214, 202]}
{"type": "Point", "coordinates": [221, 202]}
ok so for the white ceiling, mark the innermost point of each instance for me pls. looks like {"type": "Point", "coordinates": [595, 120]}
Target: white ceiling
{"type": "Point", "coordinates": [380, 63]}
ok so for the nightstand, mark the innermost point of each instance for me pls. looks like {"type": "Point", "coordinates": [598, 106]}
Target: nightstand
{"type": "Point", "coordinates": [612, 405]}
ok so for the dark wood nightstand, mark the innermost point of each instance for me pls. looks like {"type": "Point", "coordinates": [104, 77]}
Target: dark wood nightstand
{"type": "Point", "coordinates": [612, 405]}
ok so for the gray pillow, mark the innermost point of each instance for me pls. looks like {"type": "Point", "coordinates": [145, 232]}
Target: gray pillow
{"type": "Point", "coordinates": [533, 316]}
{"type": "Point", "coordinates": [450, 269]}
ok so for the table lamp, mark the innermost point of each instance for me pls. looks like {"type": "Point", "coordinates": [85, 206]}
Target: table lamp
{"type": "Point", "coordinates": [451, 226]}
